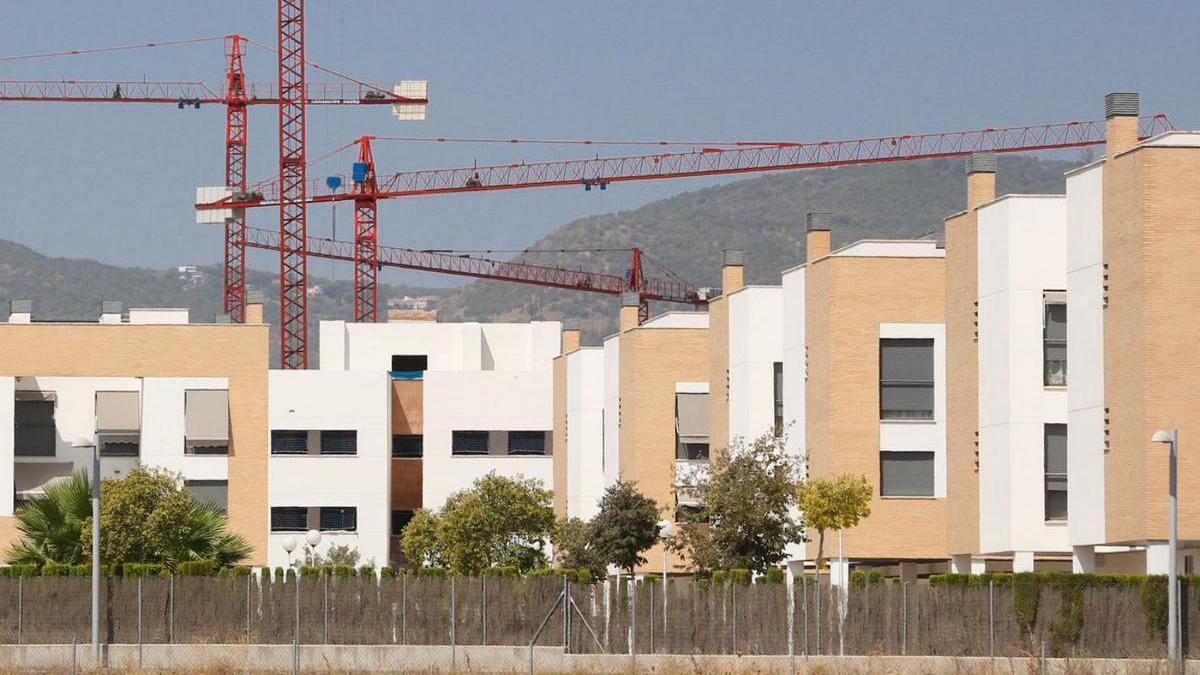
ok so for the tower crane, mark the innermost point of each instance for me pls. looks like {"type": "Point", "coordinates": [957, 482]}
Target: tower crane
{"type": "Point", "coordinates": [599, 172]}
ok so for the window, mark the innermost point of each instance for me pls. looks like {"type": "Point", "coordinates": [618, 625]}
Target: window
{"type": "Point", "coordinates": [408, 445]}
{"type": "Point", "coordinates": [33, 428]}
{"type": "Point", "coordinates": [691, 426]}
{"type": "Point", "coordinates": [206, 421]}
{"type": "Point", "coordinates": [778, 398]}
{"type": "Point", "coordinates": [409, 366]}
{"type": "Point", "coordinates": [118, 423]}
{"type": "Point", "coordinates": [339, 442]}
{"type": "Point", "coordinates": [526, 442]}
{"type": "Point", "coordinates": [289, 442]}
{"type": "Point", "coordinates": [343, 518]}
{"type": "Point", "coordinates": [400, 520]}
{"type": "Point", "coordinates": [692, 451]}
{"type": "Point", "coordinates": [215, 492]}
{"type": "Point", "coordinates": [1056, 471]}
{"type": "Point", "coordinates": [469, 443]}
{"type": "Point", "coordinates": [906, 474]}
{"type": "Point", "coordinates": [906, 379]}
{"type": "Point", "coordinates": [289, 518]}
{"type": "Point", "coordinates": [1054, 339]}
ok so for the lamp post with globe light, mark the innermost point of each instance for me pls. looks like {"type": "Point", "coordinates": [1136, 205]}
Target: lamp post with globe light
{"type": "Point", "coordinates": [1171, 438]}
{"type": "Point", "coordinates": [666, 529]}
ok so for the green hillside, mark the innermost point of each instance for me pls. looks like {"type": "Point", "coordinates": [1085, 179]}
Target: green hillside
{"type": "Point", "coordinates": [764, 216]}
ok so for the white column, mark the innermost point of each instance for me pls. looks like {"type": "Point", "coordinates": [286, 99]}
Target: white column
{"type": "Point", "coordinates": [1083, 559]}
{"type": "Point", "coordinates": [1157, 557]}
{"type": "Point", "coordinates": [7, 450]}
{"type": "Point", "coordinates": [1022, 561]}
{"type": "Point", "coordinates": [965, 564]}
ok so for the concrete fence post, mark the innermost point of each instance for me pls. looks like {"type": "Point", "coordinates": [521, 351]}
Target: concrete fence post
{"type": "Point", "coordinates": [817, 591]}
{"type": "Point", "coordinates": [903, 618]}
{"type": "Point", "coordinates": [633, 616]}
{"type": "Point", "coordinates": [791, 626]}
{"type": "Point", "coordinates": [171, 610]}
{"type": "Point", "coordinates": [733, 599]}
{"type": "Point", "coordinates": [453, 626]}
{"type": "Point", "coordinates": [20, 607]}
{"type": "Point", "coordinates": [992, 620]}
{"type": "Point", "coordinates": [404, 609]}
{"type": "Point", "coordinates": [325, 611]}
{"type": "Point", "coordinates": [804, 599]}
{"type": "Point", "coordinates": [249, 580]}
{"type": "Point", "coordinates": [139, 620]}
{"type": "Point", "coordinates": [296, 629]}
{"type": "Point", "coordinates": [650, 592]}
{"type": "Point", "coordinates": [483, 610]}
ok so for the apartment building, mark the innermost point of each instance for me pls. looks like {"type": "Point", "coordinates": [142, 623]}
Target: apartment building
{"type": "Point", "coordinates": [453, 402]}
{"type": "Point", "coordinates": [1134, 298]}
{"type": "Point", "coordinates": [146, 387]}
{"type": "Point", "coordinates": [875, 399]}
{"type": "Point", "coordinates": [1022, 379]}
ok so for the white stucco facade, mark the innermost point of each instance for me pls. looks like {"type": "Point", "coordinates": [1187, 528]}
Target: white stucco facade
{"type": "Point", "coordinates": [585, 432]}
{"type": "Point", "coordinates": [1022, 262]}
{"type": "Point", "coordinates": [755, 346]}
{"type": "Point", "coordinates": [1085, 347]}
{"type": "Point", "coordinates": [319, 400]}
{"type": "Point", "coordinates": [795, 366]}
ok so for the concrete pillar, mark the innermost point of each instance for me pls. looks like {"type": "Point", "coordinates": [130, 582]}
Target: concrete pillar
{"type": "Point", "coordinates": [817, 243]}
{"type": "Point", "coordinates": [1083, 559]}
{"type": "Point", "coordinates": [1157, 557]}
{"type": "Point", "coordinates": [1121, 111]}
{"type": "Point", "coordinates": [963, 563]}
{"type": "Point", "coordinates": [1022, 561]}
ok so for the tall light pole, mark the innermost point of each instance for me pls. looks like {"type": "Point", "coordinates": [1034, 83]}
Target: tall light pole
{"type": "Point", "coordinates": [1171, 438]}
{"type": "Point", "coordinates": [95, 448]}
{"type": "Point", "coordinates": [666, 529]}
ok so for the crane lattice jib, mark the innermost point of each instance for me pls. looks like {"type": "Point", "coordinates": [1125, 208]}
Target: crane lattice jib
{"type": "Point", "coordinates": [756, 157]}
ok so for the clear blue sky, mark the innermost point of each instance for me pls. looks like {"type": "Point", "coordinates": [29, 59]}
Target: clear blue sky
{"type": "Point", "coordinates": [116, 183]}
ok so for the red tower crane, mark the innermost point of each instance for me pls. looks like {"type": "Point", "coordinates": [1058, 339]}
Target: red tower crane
{"type": "Point", "coordinates": [600, 171]}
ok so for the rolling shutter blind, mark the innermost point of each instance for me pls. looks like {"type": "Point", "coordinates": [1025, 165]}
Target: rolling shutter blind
{"type": "Point", "coordinates": [906, 378]}
{"type": "Point", "coordinates": [118, 412]}
{"type": "Point", "coordinates": [691, 417]}
{"type": "Point", "coordinates": [906, 474]}
{"type": "Point", "coordinates": [207, 415]}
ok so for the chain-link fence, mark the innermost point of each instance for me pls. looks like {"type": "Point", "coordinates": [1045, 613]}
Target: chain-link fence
{"type": "Point", "coordinates": [454, 622]}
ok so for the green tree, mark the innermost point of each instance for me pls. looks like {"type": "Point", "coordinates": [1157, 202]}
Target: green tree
{"type": "Point", "coordinates": [575, 544]}
{"type": "Point", "coordinates": [51, 526]}
{"type": "Point", "coordinates": [335, 556]}
{"type": "Point", "coordinates": [419, 542]}
{"type": "Point", "coordinates": [498, 521]}
{"type": "Point", "coordinates": [833, 504]}
{"type": "Point", "coordinates": [626, 525]}
{"type": "Point", "coordinates": [747, 515]}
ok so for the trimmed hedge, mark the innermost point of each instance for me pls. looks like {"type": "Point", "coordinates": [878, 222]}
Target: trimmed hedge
{"type": "Point", "coordinates": [196, 568]}
{"type": "Point", "coordinates": [774, 575]}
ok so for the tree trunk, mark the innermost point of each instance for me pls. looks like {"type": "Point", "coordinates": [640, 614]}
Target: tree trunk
{"type": "Point", "coordinates": [820, 552]}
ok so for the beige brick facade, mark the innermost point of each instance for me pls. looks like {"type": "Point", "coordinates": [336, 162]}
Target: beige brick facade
{"type": "Point", "coordinates": [846, 300]}
{"type": "Point", "coordinates": [962, 367]}
{"type": "Point", "coordinates": [236, 352]}
{"type": "Point", "coordinates": [1151, 355]}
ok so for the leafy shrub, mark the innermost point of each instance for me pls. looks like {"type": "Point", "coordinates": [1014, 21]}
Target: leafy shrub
{"type": "Point", "coordinates": [775, 575]}
{"type": "Point", "coordinates": [224, 573]}
{"type": "Point", "coordinates": [51, 569]}
{"type": "Point", "coordinates": [343, 571]}
{"type": "Point", "coordinates": [310, 571]}
{"type": "Point", "coordinates": [83, 570]}
{"type": "Point", "coordinates": [1155, 606]}
{"type": "Point", "coordinates": [278, 574]}
{"type": "Point", "coordinates": [242, 570]}
{"type": "Point", "coordinates": [858, 579]}
{"type": "Point", "coordinates": [540, 572]}
{"type": "Point", "coordinates": [719, 577]}
{"type": "Point", "coordinates": [20, 571]}
{"type": "Point", "coordinates": [291, 575]}
{"type": "Point", "coordinates": [366, 572]}
{"type": "Point", "coordinates": [583, 575]}
{"type": "Point", "coordinates": [432, 572]}
{"type": "Point", "coordinates": [506, 571]}
{"type": "Point", "coordinates": [196, 568]}
{"type": "Point", "coordinates": [1026, 595]}
{"type": "Point", "coordinates": [387, 573]}
{"type": "Point", "coordinates": [740, 576]}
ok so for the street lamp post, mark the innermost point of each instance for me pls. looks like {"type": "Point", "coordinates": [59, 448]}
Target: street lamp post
{"type": "Point", "coordinates": [1171, 438]}
{"type": "Point", "coordinates": [665, 529]}
{"type": "Point", "coordinates": [88, 443]}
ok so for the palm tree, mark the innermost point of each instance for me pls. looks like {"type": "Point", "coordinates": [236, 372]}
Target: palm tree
{"type": "Point", "coordinates": [52, 524]}
{"type": "Point", "coordinates": [205, 537]}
